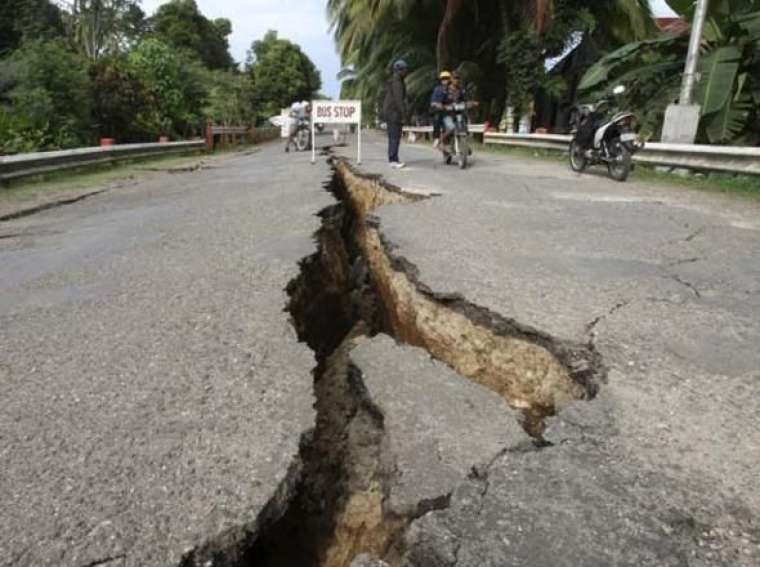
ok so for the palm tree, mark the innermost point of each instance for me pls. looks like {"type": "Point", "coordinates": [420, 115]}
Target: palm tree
{"type": "Point", "coordinates": [470, 35]}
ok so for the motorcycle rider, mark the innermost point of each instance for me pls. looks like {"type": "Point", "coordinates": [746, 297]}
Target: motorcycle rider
{"type": "Point", "coordinates": [456, 89]}
{"type": "Point", "coordinates": [443, 123]}
{"type": "Point", "coordinates": [458, 93]}
{"type": "Point", "coordinates": [299, 111]}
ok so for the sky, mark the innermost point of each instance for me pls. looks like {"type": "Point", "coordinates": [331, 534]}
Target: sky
{"type": "Point", "coordinates": [301, 21]}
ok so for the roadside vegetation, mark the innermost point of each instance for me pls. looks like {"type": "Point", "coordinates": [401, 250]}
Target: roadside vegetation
{"type": "Point", "coordinates": [75, 71]}
{"type": "Point", "coordinates": [500, 46]}
{"type": "Point", "coordinates": [729, 86]}
{"type": "Point", "coordinates": [538, 58]}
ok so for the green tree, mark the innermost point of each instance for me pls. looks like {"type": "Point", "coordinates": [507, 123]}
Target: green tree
{"type": "Point", "coordinates": [49, 94]}
{"type": "Point", "coordinates": [103, 27]}
{"type": "Point", "coordinates": [123, 106]}
{"type": "Point", "coordinates": [475, 37]}
{"type": "Point", "coordinates": [281, 73]}
{"type": "Point", "coordinates": [176, 83]}
{"type": "Point", "coordinates": [180, 24]}
{"type": "Point", "coordinates": [230, 98]}
{"type": "Point", "coordinates": [28, 19]}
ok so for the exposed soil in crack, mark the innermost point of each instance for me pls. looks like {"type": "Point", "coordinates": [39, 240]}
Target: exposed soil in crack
{"type": "Point", "coordinates": [352, 288]}
{"type": "Point", "coordinates": [337, 512]}
{"type": "Point", "coordinates": [531, 371]}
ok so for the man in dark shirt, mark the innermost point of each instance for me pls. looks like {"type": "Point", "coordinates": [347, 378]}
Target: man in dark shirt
{"type": "Point", "coordinates": [438, 102]}
{"type": "Point", "coordinates": [394, 110]}
{"type": "Point", "coordinates": [456, 89]}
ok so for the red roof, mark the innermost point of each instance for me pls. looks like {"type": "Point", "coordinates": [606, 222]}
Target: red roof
{"type": "Point", "coordinates": [672, 26]}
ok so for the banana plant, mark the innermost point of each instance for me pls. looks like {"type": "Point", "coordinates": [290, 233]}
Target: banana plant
{"type": "Point", "coordinates": [728, 90]}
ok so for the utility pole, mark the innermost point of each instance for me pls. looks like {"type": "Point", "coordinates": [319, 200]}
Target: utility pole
{"type": "Point", "coordinates": [682, 119]}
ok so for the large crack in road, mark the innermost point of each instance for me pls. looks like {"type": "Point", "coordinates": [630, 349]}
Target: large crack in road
{"type": "Point", "coordinates": [353, 288]}
{"type": "Point", "coordinates": [532, 371]}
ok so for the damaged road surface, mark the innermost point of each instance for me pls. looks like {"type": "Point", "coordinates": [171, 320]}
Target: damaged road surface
{"type": "Point", "coordinates": [276, 364]}
{"type": "Point", "coordinates": [154, 393]}
{"type": "Point", "coordinates": [656, 462]}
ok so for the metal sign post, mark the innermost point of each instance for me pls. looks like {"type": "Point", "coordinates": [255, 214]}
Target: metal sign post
{"type": "Point", "coordinates": [336, 112]}
{"type": "Point", "coordinates": [682, 120]}
{"type": "Point", "coordinates": [313, 138]}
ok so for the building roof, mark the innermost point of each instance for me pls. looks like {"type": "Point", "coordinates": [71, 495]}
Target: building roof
{"type": "Point", "coordinates": [672, 26]}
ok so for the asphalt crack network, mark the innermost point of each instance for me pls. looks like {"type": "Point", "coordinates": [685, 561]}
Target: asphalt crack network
{"type": "Point", "coordinates": [591, 327]}
{"type": "Point", "coordinates": [50, 205]}
{"type": "Point", "coordinates": [678, 279]}
{"type": "Point", "coordinates": [352, 288]}
{"type": "Point", "coordinates": [532, 371]}
{"type": "Point", "coordinates": [105, 560]}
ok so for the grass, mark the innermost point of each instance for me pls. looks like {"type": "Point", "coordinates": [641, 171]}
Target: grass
{"type": "Point", "coordinates": [91, 176]}
{"type": "Point", "coordinates": [31, 191]}
{"type": "Point", "coordinates": [743, 185]}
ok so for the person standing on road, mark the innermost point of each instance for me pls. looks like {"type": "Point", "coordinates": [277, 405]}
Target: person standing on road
{"type": "Point", "coordinates": [394, 110]}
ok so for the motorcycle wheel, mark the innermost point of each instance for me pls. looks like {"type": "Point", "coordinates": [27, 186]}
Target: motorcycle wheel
{"type": "Point", "coordinates": [463, 150]}
{"type": "Point", "coordinates": [302, 140]}
{"type": "Point", "coordinates": [619, 165]}
{"type": "Point", "coordinates": [578, 161]}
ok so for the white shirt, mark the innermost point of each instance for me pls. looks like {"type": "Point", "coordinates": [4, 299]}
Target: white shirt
{"type": "Point", "coordinates": [298, 110]}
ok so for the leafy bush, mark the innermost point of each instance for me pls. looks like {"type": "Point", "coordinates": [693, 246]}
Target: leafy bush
{"type": "Point", "coordinates": [48, 93]}
{"type": "Point", "coordinates": [729, 69]}
{"type": "Point", "coordinates": [177, 85]}
{"type": "Point", "coordinates": [123, 106]}
{"type": "Point", "coordinates": [230, 98]}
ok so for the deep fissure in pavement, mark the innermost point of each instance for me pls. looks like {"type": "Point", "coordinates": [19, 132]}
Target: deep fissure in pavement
{"type": "Point", "coordinates": [337, 511]}
{"type": "Point", "coordinates": [533, 372]}
{"type": "Point", "coordinates": [351, 289]}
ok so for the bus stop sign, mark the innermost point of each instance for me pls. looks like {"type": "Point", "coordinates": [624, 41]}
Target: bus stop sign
{"type": "Point", "coordinates": [336, 112]}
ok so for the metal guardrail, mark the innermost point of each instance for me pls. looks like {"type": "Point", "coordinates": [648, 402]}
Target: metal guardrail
{"type": "Point", "coordinates": [217, 135]}
{"type": "Point", "coordinates": [542, 141]}
{"type": "Point", "coordinates": [229, 129]}
{"type": "Point", "coordinates": [731, 159]}
{"type": "Point", "coordinates": [25, 165]}
{"type": "Point", "coordinates": [413, 131]}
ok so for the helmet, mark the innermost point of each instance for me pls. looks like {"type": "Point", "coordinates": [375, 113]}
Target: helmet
{"type": "Point", "coordinates": [444, 75]}
{"type": "Point", "coordinates": [400, 65]}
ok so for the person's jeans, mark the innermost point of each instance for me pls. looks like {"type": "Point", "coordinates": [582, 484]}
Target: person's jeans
{"type": "Point", "coordinates": [394, 140]}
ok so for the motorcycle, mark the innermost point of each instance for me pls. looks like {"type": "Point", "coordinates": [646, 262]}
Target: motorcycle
{"type": "Point", "coordinates": [459, 141]}
{"type": "Point", "coordinates": [303, 135]}
{"type": "Point", "coordinates": [598, 139]}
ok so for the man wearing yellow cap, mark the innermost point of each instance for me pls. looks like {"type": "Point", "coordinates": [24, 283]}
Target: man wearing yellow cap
{"type": "Point", "coordinates": [441, 121]}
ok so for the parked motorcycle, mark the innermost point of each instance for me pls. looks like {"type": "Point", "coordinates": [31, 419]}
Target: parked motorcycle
{"type": "Point", "coordinates": [601, 139]}
{"type": "Point", "coordinates": [459, 140]}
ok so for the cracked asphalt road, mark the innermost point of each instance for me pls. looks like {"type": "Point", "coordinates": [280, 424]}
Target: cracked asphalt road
{"type": "Point", "coordinates": [153, 391]}
{"type": "Point", "coordinates": [662, 467]}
